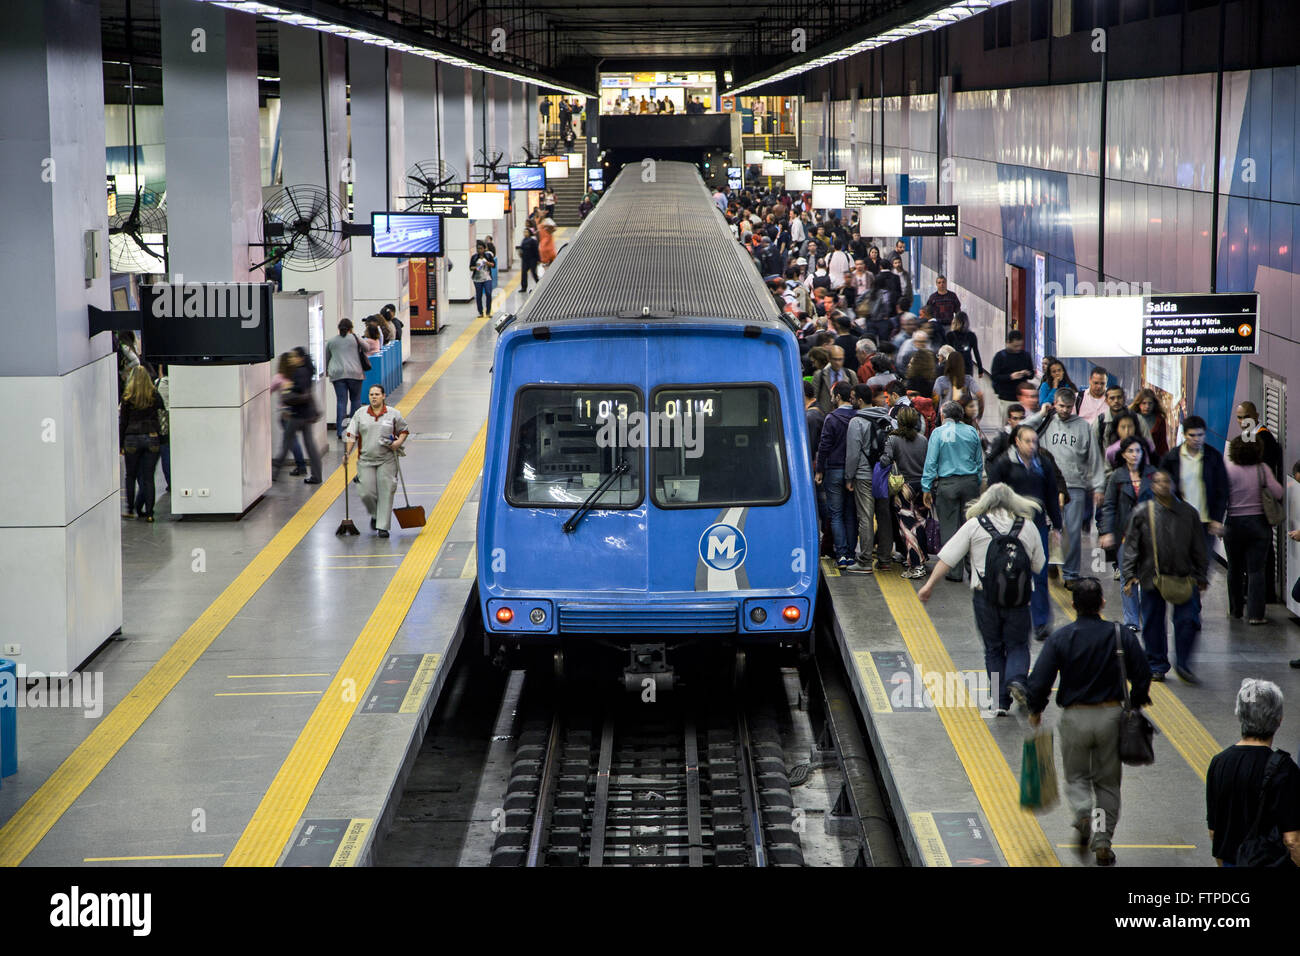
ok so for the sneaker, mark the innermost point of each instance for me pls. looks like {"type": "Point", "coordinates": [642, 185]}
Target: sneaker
{"type": "Point", "coordinates": [994, 712]}
{"type": "Point", "coordinates": [858, 567]}
{"type": "Point", "coordinates": [1018, 693]}
{"type": "Point", "coordinates": [1116, 574]}
{"type": "Point", "coordinates": [1105, 856]}
{"type": "Point", "coordinates": [1041, 633]}
{"type": "Point", "coordinates": [313, 480]}
{"type": "Point", "coordinates": [149, 518]}
{"type": "Point", "coordinates": [884, 566]}
{"type": "Point", "coordinates": [1082, 833]}
{"type": "Point", "coordinates": [1158, 676]}
{"type": "Point", "coordinates": [298, 471]}
{"type": "Point", "coordinates": [1258, 620]}
{"type": "Point", "coordinates": [383, 533]}
{"type": "Point", "coordinates": [920, 572]}
{"type": "Point", "coordinates": [842, 563]}
{"type": "Point", "coordinates": [1187, 677]}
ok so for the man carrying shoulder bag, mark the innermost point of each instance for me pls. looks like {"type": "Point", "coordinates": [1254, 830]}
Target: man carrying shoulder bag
{"type": "Point", "coordinates": [1164, 552]}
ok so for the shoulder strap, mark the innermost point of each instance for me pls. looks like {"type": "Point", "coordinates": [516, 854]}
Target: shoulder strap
{"type": "Point", "coordinates": [1017, 526]}
{"type": "Point", "coordinates": [987, 525]}
{"type": "Point", "coordinates": [1155, 549]}
{"type": "Point", "coordinates": [1274, 761]}
{"type": "Point", "coordinates": [1123, 671]}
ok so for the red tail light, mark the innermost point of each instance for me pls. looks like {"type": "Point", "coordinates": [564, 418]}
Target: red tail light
{"type": "Point", "coordinates": [791, 613]}
{"type": "Point", "coordinates": [505, 615]}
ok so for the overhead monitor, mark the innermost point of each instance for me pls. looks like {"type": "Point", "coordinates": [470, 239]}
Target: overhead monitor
{"type": "Point", "coordinates": [405, 234]}
{"type": "Point", "coordinates": [575, 160]}
{"type": "Point", "coordinates": [596, 179]}
{"type": "Point", "coordinates": [773, 166]}
{"type": "Point", "coordinates": [207, 323]}
{"type": "Point", "coordinates": [907, 221]}
{"type": "Point", "coordinates": [556, 168]}
{"type": "Point", "coordinates": [487, 205]}
{"type": "Point", "coordinates": [1125, 326]}
{"type": "Point", "coordinates": [447, 205]}
{"type": "Point", "coordinates": [526, 177]}
{"type": "Point", "coordinates": [735, 177]}
{"type": "Point", "coordinates": [753, 156]}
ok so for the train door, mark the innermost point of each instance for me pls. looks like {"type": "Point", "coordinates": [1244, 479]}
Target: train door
{"type": "Point", "coordinates": [1015, 279]}
{"type": "Point", "coordinates": [1271, 401]}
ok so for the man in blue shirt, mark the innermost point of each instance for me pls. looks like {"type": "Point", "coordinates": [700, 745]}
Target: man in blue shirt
{"type": "Point", "coordinates": [954, 460]}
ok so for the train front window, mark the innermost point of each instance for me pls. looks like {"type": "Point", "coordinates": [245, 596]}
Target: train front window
{"type": "Point", "coordinates": [566, 442]}
{"type": "Point", "coordinates": [719, 445]}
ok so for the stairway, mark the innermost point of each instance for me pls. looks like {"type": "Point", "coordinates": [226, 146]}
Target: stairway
{"type": "Point", "coordinates": [569, 191]}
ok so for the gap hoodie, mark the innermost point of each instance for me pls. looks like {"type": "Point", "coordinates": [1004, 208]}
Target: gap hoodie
{"type": "Point", "coordinates": [1074, 446]}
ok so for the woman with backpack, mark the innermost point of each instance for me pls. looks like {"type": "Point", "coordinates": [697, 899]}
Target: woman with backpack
{"type": "Point", "coordinates": [998, 524]}
{"type": "Point", "coordinates": [905, 451]}
{"type": "Point", "coordinates": [139, 434]}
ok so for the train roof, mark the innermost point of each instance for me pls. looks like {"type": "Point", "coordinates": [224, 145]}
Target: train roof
{"type": "Point", "coordinates": [649, 250]}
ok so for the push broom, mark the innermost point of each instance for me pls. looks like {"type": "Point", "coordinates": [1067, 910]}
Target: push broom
{"type": "Point", "coordinates": [346, 526]}
{"type": "Point", "coordinates": [408, 517]}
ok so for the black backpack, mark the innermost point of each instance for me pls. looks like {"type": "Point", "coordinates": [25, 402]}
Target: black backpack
{"type": "Point", "coordinates": [1008, 580]}
{"type": "Point", "coordinates": [1260, 848]}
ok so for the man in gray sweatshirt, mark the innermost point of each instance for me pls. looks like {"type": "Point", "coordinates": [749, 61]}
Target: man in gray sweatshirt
{"type": "Point", "coordinates": [1073, 443]}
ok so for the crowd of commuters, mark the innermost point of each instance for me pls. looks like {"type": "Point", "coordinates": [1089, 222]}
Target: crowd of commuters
{"type": "Point", "coordinates": [907, 478]}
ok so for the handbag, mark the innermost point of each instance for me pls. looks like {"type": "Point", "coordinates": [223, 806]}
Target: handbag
{"type": "Point", "coordinates": [1264, 849]}
{"type": "Point", "coordinates": [896, 479]}
{"type": "Point", "coordinates": [1136, 732]}
{"type": "Point", "coordinates": [1038, 786]}
{"type": "Point", "coordinates": [361, 352]}
{"type": "Point", "coordinates": [1174, 588]}
{"type": "Point", "coordinates": [1273, 509]}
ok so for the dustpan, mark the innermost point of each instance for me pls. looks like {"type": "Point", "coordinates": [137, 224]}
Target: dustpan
{"type": "Point", "coordinates": [412, 516]}
{"type": "Point", "coordinates": [346, 526]}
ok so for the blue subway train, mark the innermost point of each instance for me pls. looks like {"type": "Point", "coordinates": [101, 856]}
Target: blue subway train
{"type": "Point", "coordinates": [646, 469]}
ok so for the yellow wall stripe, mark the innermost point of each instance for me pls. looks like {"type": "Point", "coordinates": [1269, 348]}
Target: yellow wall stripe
{"type": "Point", "coordinates": [420, 684]}
{"type": "Point", "coordinates": [1178, 724]}
{"type": "Point", "coordinates": [928, 840]}
{"type": "Point", "coordinates": [281, 808]}
{"type": "Point", "coordinates": [872, 684]}
{"type": "Point", "coordinates": [26, 828]}
{"type": "Point", "coordinates": [1018, 833]}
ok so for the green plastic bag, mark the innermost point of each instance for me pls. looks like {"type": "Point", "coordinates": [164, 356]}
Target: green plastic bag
{"type": "Point", "coordinates": [1038, 789]}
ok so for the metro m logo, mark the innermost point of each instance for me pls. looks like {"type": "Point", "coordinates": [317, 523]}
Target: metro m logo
{"type": "Point", "coordinates": [722, 547]}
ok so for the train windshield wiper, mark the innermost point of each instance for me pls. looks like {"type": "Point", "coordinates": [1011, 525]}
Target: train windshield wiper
{"type": "Point", "coordinates": [621, 468]}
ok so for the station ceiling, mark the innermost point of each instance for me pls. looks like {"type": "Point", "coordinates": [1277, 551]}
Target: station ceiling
{"type": "Point", "coordinates": [567, 39]}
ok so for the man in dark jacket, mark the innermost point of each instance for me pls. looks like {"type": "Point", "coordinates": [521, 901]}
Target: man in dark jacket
{"type": "Point", "coordinates": [1011, 366]}
{"type": "Point", "coordinates": [529, 258]}
{"type": "Point", "coordinates": [1199, 478]}
{"type": "Point", "coordinates": [867, 431]}
{"type": "Point", "coordinates": [1090, 694]}
{"type": "Point", "coordinates": [1178, 547]}
{"type": "Point", "coordinates": [830, 472]}
{"type": "Point", "coordinates": [1032, 471]}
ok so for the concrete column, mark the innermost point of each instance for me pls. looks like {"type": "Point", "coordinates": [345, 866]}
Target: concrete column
{"type": "Point", "coordinates": [221, 417]}
{"type": "Point", "coordinates": [304, 135]}
{"type": "Point", "coordinates": [375, 77]}
{"type": "Point", "coordinates": [455, 113]}
{"type": "Point", "coordinates": [502, 136]}
{"type": "Point", "coordinates": [420, 104]}
{"type": "Point", "coordinates": [60, 531]}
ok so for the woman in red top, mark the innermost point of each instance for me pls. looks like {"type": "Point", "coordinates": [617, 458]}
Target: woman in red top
{"type": "Point", "coordinates": [1148, 408]}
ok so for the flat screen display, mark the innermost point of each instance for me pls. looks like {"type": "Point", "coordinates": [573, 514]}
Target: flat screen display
{"type": "Point", "coordinates": [207, 323]}
{"type": "Point", "coordinates": [526, 177]}
{"type": "Point", "coordinates": [406, 234]}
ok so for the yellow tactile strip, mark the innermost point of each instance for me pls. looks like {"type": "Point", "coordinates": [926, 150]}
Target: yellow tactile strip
{"type": "Point", "coordinates": [26, 828]}
{"type": "Point", "coordinates": [1018, 833]}
{"type": "Point", "coordinates": [282, 806]}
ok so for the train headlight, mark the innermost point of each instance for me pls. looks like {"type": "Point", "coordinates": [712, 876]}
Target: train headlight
{"type": "Point", "coordinates": [791, 613]}
{"type": "Point", "coordinates": [505, 615]}
{"type": "Point", "coordinates": [536, 615]}
{"type": "Point", "coordinates": [758, 615]}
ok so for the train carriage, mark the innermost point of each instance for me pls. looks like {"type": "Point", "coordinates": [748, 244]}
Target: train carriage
{"type": "Point", "coordinates": [647, 465]}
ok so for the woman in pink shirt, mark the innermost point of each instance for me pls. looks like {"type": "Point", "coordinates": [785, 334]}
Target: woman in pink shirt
{"type": "Point", "coordinates": [1246, 534]}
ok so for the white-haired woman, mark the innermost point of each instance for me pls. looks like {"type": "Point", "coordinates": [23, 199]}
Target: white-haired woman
{"type": "Point", "coordinates": [1004, 630]}
{"type": "Point", "coordinates": [1252, 789]}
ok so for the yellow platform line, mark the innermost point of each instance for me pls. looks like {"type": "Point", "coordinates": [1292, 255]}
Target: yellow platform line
{"type": "Point", "coordinates": [243, 676]}
{"type": "Point", "coordinates": [352, 567]}
{"type": "Point", "coordinates": [1178, 724]}
{"type": "Point", "coordinates": [169, 856]}
{"type": "Point", "coordinates": [26, 828]}
{"type": "Point", "coordinates": [471, 568]}
{"type": "Point", "coordinates": [273, 822]}
{"type": "Point", "coordinates": [1018, 833]}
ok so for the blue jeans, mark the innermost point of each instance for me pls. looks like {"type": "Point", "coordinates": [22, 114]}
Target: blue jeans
{"type": "Point", "coordinates": [843, 512]}
{"type": "Point", "coordinates": [1040, 611]}
{"type": "Point", "coordinates": [1133, 601]}
{"type": "Point", "coordinates": [347, 392]}
{"type": "Point", "coordinates": [1005, 632]}
{"type": "Point", "coordinates": [1073, 517]}
{"type": "Point", "coordinates": [1187, 624]}
{"type": "Point", "coordinates": [483, 296]}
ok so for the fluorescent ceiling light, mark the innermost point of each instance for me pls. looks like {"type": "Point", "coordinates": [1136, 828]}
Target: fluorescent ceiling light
{"type": "Point", "coordinates": [959, 10]}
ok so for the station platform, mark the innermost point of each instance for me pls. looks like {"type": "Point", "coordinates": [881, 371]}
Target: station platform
{"type": "Point", "coordinates": [952, 770]}
{"type": "Point", "coordinates": [272, 680]}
